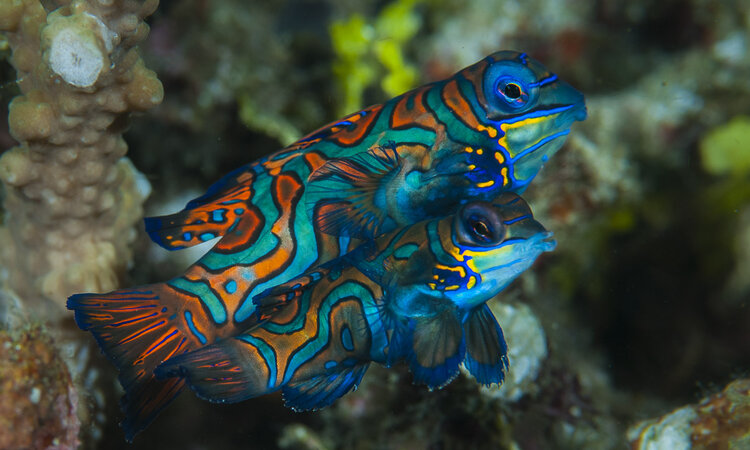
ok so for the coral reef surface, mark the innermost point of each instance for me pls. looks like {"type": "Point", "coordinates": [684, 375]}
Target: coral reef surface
{"type": "Point", "coordinates": [71, 199]}
{"type": "Point", "coordinates": [38, 400]}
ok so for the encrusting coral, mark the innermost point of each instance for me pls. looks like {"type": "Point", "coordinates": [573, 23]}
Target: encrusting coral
{"type": "Point", "coordinates": [71, 197]}
{"type": "Point", "coordinates": [38, 400]}
{"type": "Point", "coordinates": [721, 420]}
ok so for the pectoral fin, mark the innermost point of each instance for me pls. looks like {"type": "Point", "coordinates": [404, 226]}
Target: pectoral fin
{"type": "Point", "coordinates": [486, 351]}
{"type": "Point", "coordinates": [437, 348]}
{"type": "Point", "coordinates": [347, 196]}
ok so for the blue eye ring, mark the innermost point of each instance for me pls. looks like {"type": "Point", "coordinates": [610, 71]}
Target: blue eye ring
{"type": "Point", "coordinates": [512, 92]}
{"type": "Point", "coordinates": [509, 88]}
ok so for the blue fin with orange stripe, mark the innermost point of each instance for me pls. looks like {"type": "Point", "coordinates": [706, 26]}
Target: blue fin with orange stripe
{"type": "Point", "coordinates": [486, 351]}
{"type": "Point", "coordinates": [346, 196]}
{"type": "Point", "coordinates": [223, 209]}
{"type": "Point", "coordinates": [322, 390]}
{"type": "Point", "coordinates": [136, 331]}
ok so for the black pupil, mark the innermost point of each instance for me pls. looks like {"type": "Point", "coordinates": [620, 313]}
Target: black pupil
{"type": "Point", "coordinates": [512, 90]}
{"type": "Point", "coordinates": [481, 230]}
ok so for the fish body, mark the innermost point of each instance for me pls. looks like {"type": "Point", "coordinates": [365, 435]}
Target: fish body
{"type": "Point", "coordinates": [486, 130]}
{"type": "Point", "coordinates": [416, 295]}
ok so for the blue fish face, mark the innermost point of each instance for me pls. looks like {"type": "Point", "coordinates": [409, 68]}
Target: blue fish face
{"type": "Point", "coordinates": [529, 112]}
{"type": "Point", "coordinates": [482, 249]}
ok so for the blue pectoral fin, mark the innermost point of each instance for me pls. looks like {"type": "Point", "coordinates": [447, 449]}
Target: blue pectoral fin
{"type": "Point", "coordinates": [486, 351]}
{"type": "Point", "coordinates": [322, 390]}
{"type": "Point", "coordinates": [437, 349]}
{"type": "Point", "coordinates": [224, 372]}
{"type": "Point", "coordinates": [345, 197]}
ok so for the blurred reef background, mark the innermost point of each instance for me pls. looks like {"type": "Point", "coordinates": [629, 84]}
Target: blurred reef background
{"type": "Point", "coordinates": [635, 331]}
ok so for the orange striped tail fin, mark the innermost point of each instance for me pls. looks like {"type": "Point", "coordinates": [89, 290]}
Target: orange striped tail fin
{"type": "Point", "coordinates": [137, 332]}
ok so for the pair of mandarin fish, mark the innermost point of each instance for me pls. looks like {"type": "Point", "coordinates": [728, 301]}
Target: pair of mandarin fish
{"type": "Point", "coordinates": [377, 238]}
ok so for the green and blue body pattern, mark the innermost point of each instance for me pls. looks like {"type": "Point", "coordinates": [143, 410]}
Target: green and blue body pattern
{"type": "Point", "coordinates": [388, 301]}
{"type": "Point", "coordinates": [486, 130]}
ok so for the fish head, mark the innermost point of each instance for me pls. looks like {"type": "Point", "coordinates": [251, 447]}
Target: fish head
{"type": "Point", "coordinates": [490, 244]}
{"type": "Point", "coordinates": [524, 112]}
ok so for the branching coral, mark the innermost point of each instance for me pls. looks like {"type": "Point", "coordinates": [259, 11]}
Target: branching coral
{"type": "Point", "coordinates": [71, 198]}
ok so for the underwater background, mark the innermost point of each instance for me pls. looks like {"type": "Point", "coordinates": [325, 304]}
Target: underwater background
{"type": "Point", "coordinates": [634, 331]}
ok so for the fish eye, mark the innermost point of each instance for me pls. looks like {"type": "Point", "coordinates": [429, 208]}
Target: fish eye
{"type": "Point", "coordinates": [480, 225]}
{"type": "Point", "coordinates": [480, 230]}
{"type": "Point", "coordinates": [509, 87]}
{"type": "Point", "coordinates": [512, 92]}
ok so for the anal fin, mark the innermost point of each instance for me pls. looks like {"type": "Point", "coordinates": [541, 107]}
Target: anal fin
{"type": "Point", "coordinates": [322, 390]}
{"type": "Point", "coordinates": [217, 373]}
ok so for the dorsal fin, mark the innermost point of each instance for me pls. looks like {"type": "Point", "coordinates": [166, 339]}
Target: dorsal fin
{"type": "Point", "coordinates": [225, 208]}
{"type": "Point", "coordinates": [346, 196]}
{"type": "Point", "coordinates": [273, 299]}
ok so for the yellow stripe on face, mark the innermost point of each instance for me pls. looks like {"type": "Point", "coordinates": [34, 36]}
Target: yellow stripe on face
{"type": "Point", "coordinates": [486, 184]}
{"type": "Point", "coordinates": [467, 256]}
{"type": "Point", "coordinates": [506, 127]}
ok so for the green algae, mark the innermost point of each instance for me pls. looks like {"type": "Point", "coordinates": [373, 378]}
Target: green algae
{"type": "Point", "coordinates": [725, 150]}
{"type": "Point", "coordinates": [366, 51]}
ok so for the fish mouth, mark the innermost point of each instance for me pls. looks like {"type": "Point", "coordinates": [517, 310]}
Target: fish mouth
{"type": "Point", "coordinates": [545, 241]}
{"type": "Point", "coordinates": [537, 244]}
{"type": "Point", "coordinates": [576, 112]}
{"type": "Point", "coordinates": [581, 113]}
{"type": "Point", "coordinates": [527, 252]}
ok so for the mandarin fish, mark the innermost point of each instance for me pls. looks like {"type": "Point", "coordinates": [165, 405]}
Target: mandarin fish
{"type": "Point", "coordinates": [416, 295]}
{"type": "Point", "coordinates": [486, 130]}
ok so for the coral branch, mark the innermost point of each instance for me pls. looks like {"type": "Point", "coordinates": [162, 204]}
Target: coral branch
{"type": "Point", "coordinates": [71, 197]}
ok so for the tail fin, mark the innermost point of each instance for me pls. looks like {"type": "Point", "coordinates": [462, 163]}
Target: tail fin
{"type": "Point", "coordinates": [225, 210]}
{"type": "Point", "coordinates": [137, 331]}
